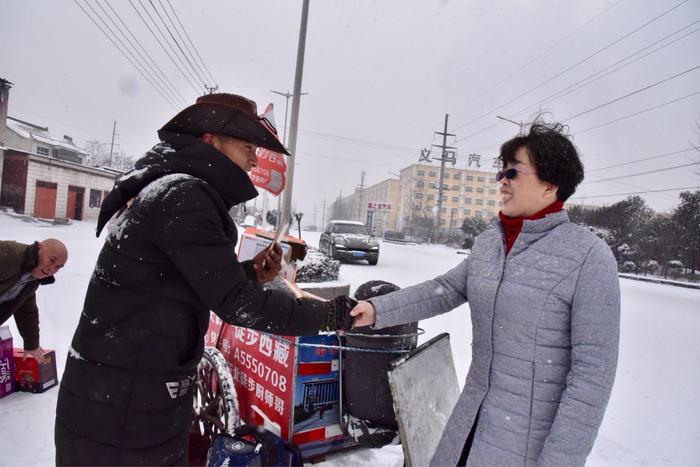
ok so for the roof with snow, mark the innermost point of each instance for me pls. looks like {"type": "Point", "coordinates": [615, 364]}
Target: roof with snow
{"type": "Point", "coordinates": [41, 134]}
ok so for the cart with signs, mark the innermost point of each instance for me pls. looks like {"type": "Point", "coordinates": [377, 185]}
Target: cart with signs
{"type": "Point", "coordinates": [292, 386]}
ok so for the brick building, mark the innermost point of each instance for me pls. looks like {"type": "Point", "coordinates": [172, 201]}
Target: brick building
{"type": "Point", "coordinates": [42, 175]}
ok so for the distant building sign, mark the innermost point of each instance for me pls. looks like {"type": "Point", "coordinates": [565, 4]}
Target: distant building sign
{"type": "Point", "coordinates": [374, 206]}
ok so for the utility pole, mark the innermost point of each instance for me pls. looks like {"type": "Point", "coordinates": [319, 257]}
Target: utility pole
{"type": "Point", "coordinates": [323, 214]}
{"type": "Point", "coordinates": [359, 196]}
{"type": "Point", "coordinates": [294, 125]}
{"type": "Point", "coordinates": [111, 148]}
{"type": "Point", "coordinates": [315, 210]}
{"type": "Point", "coordinates": [211, 89]}
{"type": "Point", "coordinates": [446, 156]}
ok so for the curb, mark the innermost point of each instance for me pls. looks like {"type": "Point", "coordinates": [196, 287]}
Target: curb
{"type": "Point", "coordinates": [688, 285]}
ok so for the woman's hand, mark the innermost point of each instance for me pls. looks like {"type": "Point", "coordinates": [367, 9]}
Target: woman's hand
{"type": "Point", "coordinates": [363, 313]}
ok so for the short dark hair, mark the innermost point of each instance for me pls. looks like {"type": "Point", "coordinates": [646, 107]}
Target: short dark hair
{"type": "Point", "coordinates": [552, 154]}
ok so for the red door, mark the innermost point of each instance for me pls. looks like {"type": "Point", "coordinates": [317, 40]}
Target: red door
{"type": "Point", "coordinates": [45, 200]}
{"type": "Point", "coordinates": [74, 207]}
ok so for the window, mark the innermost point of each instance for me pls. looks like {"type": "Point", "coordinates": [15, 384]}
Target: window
{"type": "Point", "coordinates": [419, 184]}
{"type": "Point", "coordinates": [42, 150]}
{"type": "Point", "coordinates": [477, 214]}
{"type": "Point", "coordinates": [500, 203]}
{"type": "Point", "coordinates": [480, 179]}
{"type": "Point", "coordinates": [454, 211]}
{"type": "Point", "coordinates": [432, 185]}
{"type": "Point", "coordinates": [419, 195]}
{"type": "Point", "coordinates": [467, 200]}
{"type": "Point", "coordinates": [492, 202]}
{"type": "Point", "coordinates": [95, 198]}
{"type": "Point", "coordinates": [479, 201]}
{"type": "Point", "coordinates": [443, 210]}
{"type": "Point", "coordinates": [455, 187]}
{"type": "Point", "coordinates": [470, 178]}
{"type": "Point", "coordinates": [492, 179]}
{"type": "Point", "coordinates": [468, 189]}
{"type": "Point", "coordinates": [421, 173]}
{"type": "Point", "coordinates": [455, 199]}
{"type": "Point", "coordinates": [444, 197]}
{"type": "Point", "coordinates": [432, 174]}
{"type": "Point", "coordinates": [445, 187]}
{"type": "Point", "coordinates": [429, 198]}
{"type": "Point", "coordinates": [492, 191]}
{"type": "Point", "coordinates": [467, 212]}
{"type": "Point", "coordinates": [457, 176]}
{"type": "Point", "coordinates": [479, 189]}
{"type": "Point", "coordinates": [442, 221]}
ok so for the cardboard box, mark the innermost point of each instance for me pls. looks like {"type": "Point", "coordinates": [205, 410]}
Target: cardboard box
{"type": "Point", "coordinates": [32, 377]}
{"type": "Point", "coordinates": [7, 364]}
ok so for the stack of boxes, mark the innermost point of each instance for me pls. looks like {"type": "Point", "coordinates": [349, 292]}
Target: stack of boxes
{"type": "Point", "coordinates": [21, 373]}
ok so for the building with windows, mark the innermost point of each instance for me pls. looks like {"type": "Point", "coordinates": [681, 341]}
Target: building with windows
{"type": "Point", "coordinates": [375, 205]}
{"type": "Point", "coordinates": [465, 193]}
{"type": "Point", "coordinates": [413, 199]}
{"type": "Point", "coordinates": [43, 176]}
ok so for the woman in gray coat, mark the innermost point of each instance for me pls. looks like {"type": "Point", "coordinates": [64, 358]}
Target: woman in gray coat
{"type": "Point", "coordinates": [545, 309]}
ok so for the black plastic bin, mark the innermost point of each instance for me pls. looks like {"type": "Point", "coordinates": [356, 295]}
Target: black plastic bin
{"type": "Point", "coordinates": [365, 381]}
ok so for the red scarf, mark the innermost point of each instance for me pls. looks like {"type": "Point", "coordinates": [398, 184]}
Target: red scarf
{"type": "Point", "coordinates": [513, 225]}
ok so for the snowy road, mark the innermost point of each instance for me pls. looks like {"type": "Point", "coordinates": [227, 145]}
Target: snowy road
{"type": "Point", "coordinates": [652, 419]}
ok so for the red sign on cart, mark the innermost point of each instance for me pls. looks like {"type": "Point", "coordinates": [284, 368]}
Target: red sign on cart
{"type": "Point", "coordinates": [263, 371]}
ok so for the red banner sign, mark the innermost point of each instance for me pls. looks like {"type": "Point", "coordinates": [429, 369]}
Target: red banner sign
{"type": "Point", "coordinates": [269, 174]}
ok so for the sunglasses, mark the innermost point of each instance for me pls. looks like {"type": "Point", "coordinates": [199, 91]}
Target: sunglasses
{"type": "Point", "coordinates": [511, 173]}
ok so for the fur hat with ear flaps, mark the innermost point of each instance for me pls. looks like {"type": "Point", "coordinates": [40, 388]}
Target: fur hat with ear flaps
{"type": "Point", "coordinates": [228, 115]}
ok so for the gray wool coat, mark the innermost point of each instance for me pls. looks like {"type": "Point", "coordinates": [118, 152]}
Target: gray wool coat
{"type": "Point", "coordinates": [545, 322]}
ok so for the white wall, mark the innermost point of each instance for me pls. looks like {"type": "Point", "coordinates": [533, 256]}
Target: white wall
{"type": "Point", "coordinates": [64, 176]}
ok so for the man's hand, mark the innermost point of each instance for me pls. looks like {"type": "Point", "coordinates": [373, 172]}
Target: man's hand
{"type": "Point", "coordinates": [37, 353]}
{"type": "Point", "coordinates": [363, 313]}
{"type": "Point", "coordinates": [268, 263]}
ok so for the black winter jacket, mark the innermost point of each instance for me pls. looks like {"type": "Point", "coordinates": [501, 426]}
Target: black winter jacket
{"type": "Point", "coordinates": [126, 393]}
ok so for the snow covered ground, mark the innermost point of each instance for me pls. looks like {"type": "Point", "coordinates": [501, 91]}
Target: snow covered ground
{"type": "Point", "coordinates": [652, 419]}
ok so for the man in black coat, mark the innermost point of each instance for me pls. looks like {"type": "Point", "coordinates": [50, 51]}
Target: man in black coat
{"type": "Point", "coordinates": [126, 393]}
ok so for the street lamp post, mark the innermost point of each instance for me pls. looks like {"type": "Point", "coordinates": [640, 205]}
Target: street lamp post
{"type": "Point", "coordinates": [286, 95]}
{"type": "Point", "coordinates": [521, 125]}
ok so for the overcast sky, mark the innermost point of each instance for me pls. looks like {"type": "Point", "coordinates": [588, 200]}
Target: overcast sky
{"type": "Point", "coordinates": [381, 75]}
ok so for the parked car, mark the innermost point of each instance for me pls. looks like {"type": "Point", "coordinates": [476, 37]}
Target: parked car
{"type": "Point", "coordinates": [345, 240]}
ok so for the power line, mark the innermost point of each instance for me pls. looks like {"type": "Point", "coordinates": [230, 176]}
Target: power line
{"type": "Point", "coordinates": [160, 72]}
{"type": "Point", "coordinates": [196, 74]}
{"type": "Point", "coordinates": [665, 169]}
{"type": "Point", "coordinates": [182, 40]}
{"type": "Point", "coordinates": [125, 55]}
{"type": "Point", "coordinates": [160, 43]}
{"type": "Point", "coordinates": [533, 60]}
{"type": "Point", "coordinates": [638, 113]}
{"type": "Point", "coordinates": [358, 142]}
{"type": "Point", "coordinates": [154, 75]}
{"type": "Point", "coordinates": [656, 156]}
{"type": "Point", "coordinates": [192, 44]}
{"type": "Point", "coordinates": [605, 104]}
{"type": "Point", "coordinates": [638, 192]}
{"type": "Point", "coordinates": [590, 79]}
{"type": "Point", "coordinates": [623, 37]}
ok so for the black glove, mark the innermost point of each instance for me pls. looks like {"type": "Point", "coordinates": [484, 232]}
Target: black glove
{"type": "Point", "coordinates": [338, 313]}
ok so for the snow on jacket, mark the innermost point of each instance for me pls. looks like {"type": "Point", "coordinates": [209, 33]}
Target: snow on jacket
{"type": "Point", "coordinates": [126, 393]}
{"type": "Point", "coordinates": [545, 322]}
{"type": "Point", "coordinates": [17, 259]}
